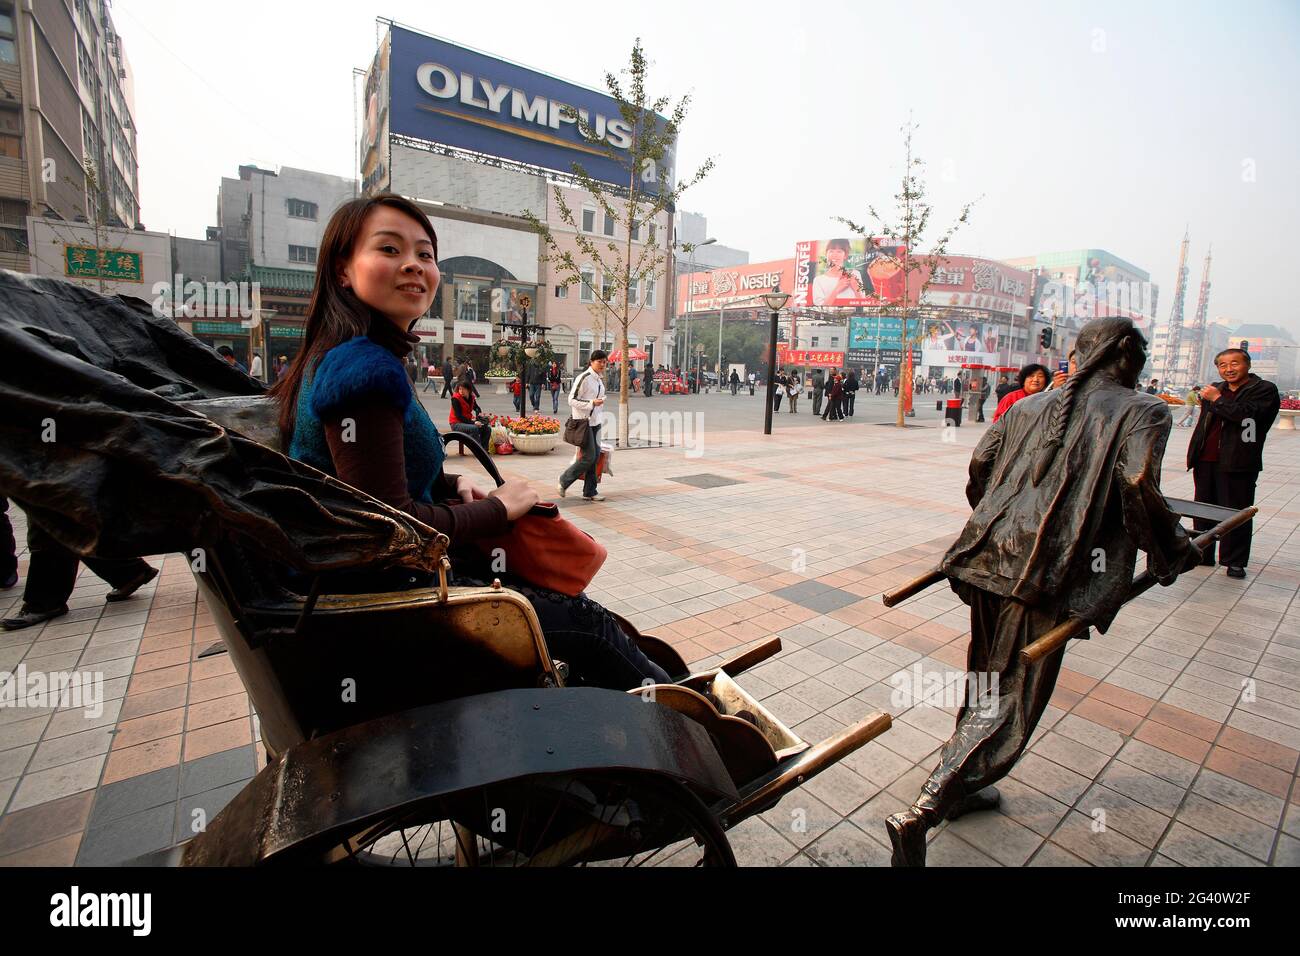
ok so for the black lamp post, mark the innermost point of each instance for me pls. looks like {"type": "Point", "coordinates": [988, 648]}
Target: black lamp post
{"type": "Point", "coordinates": [775, 302]}
{"type": "Point", "coordinates": [526, 329]}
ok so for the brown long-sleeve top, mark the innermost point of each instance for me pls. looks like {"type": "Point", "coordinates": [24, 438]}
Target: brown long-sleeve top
{"type": "Point", "coordinates": [375, 460]}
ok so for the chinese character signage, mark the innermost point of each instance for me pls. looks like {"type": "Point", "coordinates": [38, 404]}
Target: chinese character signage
{"type": "Point", "coordinates": [85, 262]}
{"type": "Point", "coordinates": [810, 357]}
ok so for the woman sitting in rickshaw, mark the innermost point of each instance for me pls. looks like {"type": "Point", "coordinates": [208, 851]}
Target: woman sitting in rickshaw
{"type": "Point", "coordinates": [347, 408]}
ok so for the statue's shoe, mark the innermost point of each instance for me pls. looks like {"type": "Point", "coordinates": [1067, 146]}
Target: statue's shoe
{"type": "Point", "coordinates": [986, 799]}
{"type": "Point", "coordinates": [907, 834]}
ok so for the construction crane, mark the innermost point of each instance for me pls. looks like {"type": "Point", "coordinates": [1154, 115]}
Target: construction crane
{"type": "Point", "coordinates": [1194, 368]}
{"type": "Point", "coordinates": [1174, 342]}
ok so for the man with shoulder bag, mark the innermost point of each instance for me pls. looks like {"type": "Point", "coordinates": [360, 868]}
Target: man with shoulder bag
{"type": "Point", "coordinates": [587, 414]}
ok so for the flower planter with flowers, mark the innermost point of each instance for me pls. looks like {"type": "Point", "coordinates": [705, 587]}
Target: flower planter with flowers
{"type": "Point", "coordinates": [1287, 415]}
{"type": "Point", "coordinates": [533, 436]}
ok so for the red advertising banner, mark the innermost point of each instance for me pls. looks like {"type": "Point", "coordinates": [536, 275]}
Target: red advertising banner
{"type": "Point", "coordinates": [851, 273]}
{"type": "Point", "coordinates": [809, 357]}
{"type": "Point", "coordinates": [847, 273]}
{"type": "Point", "coordinates": [729, 286]}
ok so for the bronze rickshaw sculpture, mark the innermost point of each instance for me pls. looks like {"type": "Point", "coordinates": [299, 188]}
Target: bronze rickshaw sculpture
{"type": "Point", "coordinates": [423, 726]}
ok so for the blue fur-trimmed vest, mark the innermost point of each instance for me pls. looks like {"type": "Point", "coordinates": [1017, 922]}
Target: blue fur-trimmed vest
{"type": "Point", "coordinates": [356, 371]}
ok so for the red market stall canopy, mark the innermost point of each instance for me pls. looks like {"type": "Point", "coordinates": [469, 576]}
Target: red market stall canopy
{"type": "Point", "coordinates": [635, 354]}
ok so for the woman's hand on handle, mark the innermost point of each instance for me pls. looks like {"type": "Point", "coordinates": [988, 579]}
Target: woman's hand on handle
{"type": "Point", "coordinates": [517, 496]}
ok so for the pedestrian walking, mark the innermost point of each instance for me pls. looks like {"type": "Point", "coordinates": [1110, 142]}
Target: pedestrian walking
{"type": "Point", "coordinates": [1191, 403]}
{"type": "Point", "coordinates": [536, 380]}
{"type": "Point", "coordinates": [734, 381]}
{"type": "Point", "coordinates": [587, 401]}
{"type": "Point", "coordinates": [1226, 451]}
{"type": "Point", "coordinates": [778, 390]}
{"type": "Point", "coordinates": [554, 379]}
{"type": "Point", "coordinates": [52, 575]}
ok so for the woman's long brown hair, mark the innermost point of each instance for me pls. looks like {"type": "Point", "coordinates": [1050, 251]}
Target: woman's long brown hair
{"type": "Point", "coordinates": [335, 313]}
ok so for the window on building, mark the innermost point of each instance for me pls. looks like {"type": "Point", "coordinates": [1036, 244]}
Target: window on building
{"type": "Point", "coordinates": [301, 209]}
{"type": "Point", "coordinates": [633, 292]}
{"type": "Point", "coordinates": [585, 345]}
{"type": "Point", "coordinates": [13, 226]}
{"type": "Point", "coordinates": [302, 254]}
{"type": "Point", "coordinates": [473, 301]}
{"type": "Point", "coordinates": [11, 133]}
{"type": "Point", "coordinates": [815, 341]}
{"type": "Point", "coordinates": [835, 340]}
{"type": "Point", "coordinates": [561, 291]}
{"type": "Point", "coordinates": [607, 288]}
{"type": "Point", "coordinates": [588, 291]}
{"type": "Point", "coordinates": [650, 290]}
{"type": "Point", "coordinates": [650, 234]}
{"type": "Point", "coordinates": [609, 224]}
{"type": "Point", "coordinates": [636, 232]}
{"type": "Point", "coordinates": [8, 51]}
{"type": "Point", "coordinates": [588, 219]}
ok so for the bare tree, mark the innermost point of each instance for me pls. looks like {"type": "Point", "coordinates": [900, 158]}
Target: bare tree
{"type": "Point", "coordinates": [621, 274]}
{"type": "Point", "coordinates": [908, 230]}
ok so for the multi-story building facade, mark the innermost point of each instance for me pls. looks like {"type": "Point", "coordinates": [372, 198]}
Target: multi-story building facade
{"type": "Point", "coordinates": [269, 229]}
{"type": "Point", "coordinates": [275, 218]}
{"type": "Point", "coordinates": [579, 320]}
{"type": "Point", "coordinates": [66, 104]}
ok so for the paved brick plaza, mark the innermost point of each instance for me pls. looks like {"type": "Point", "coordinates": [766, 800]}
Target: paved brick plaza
{"type": "Point", "coordinates": [1149, 722]}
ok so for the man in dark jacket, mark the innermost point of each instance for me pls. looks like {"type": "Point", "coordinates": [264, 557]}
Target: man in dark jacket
{"type": "Point", "coordinates": [536, 372]}
{"type": "Point", "coordinates": [448, 375]}
{"type": "Point", "coordinates": [850, 392]}
{"type": "Point", "coordinates": [1226, 452]}
{"type": "Point", "coordinates": [1064, 478]}
{"type": "Point", "coordinates": [818, 389]}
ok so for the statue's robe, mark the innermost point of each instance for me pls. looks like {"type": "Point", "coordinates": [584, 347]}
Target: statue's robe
{"type": "Point", "coordinates": [1032, 556]}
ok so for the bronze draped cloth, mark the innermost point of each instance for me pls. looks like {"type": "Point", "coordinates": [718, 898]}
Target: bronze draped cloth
{"type": "Point", "coordinates": [1030, 557]}
{"type": "Point", "coordinates": [96, 450]}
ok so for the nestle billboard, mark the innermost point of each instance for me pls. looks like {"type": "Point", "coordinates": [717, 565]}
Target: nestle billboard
{"type": "Point", "coordinates": [447, 94]}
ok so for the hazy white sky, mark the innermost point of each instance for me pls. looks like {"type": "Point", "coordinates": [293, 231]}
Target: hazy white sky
{"type": "Point", "coordinates": [1103, 124]}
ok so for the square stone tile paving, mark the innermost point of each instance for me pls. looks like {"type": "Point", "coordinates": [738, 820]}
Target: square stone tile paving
{"type": "Point", "coordinates": [1172, 740]}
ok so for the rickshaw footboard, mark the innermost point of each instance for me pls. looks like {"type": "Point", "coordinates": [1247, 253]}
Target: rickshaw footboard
{"type": "Point", "coordinates": [766, 791]}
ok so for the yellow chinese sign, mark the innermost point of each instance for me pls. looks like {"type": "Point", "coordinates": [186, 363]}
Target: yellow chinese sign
{"type": "Point", "coordinates": [85, 262]}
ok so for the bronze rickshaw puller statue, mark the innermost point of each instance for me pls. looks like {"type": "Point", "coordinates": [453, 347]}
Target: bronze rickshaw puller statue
{"type": "Point", "coordinates": [411, 726]}
{"type": "Point", "coordinates": [1065, 490]}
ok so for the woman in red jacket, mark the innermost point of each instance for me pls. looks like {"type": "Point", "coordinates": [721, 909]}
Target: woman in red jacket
{"type": "Point", "coordinates": [464, 415]}
{"type": "Point", "coordinates": [1033, 379]}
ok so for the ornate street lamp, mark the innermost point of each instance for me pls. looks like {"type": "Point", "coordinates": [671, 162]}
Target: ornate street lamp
{"type": "Point", "coordinates": [775, 302]}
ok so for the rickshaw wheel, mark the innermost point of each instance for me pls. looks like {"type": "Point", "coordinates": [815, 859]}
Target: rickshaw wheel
{"type": "Point", "coordinates": [591, 819]}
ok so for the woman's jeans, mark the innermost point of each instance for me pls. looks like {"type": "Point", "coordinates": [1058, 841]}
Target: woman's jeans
{"type": "Point", "coordinates": [480, 433]}
{"type": "Point", "coordinates": [555, 401]}
{"type": "Point", "coordinates": [585, 467]}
